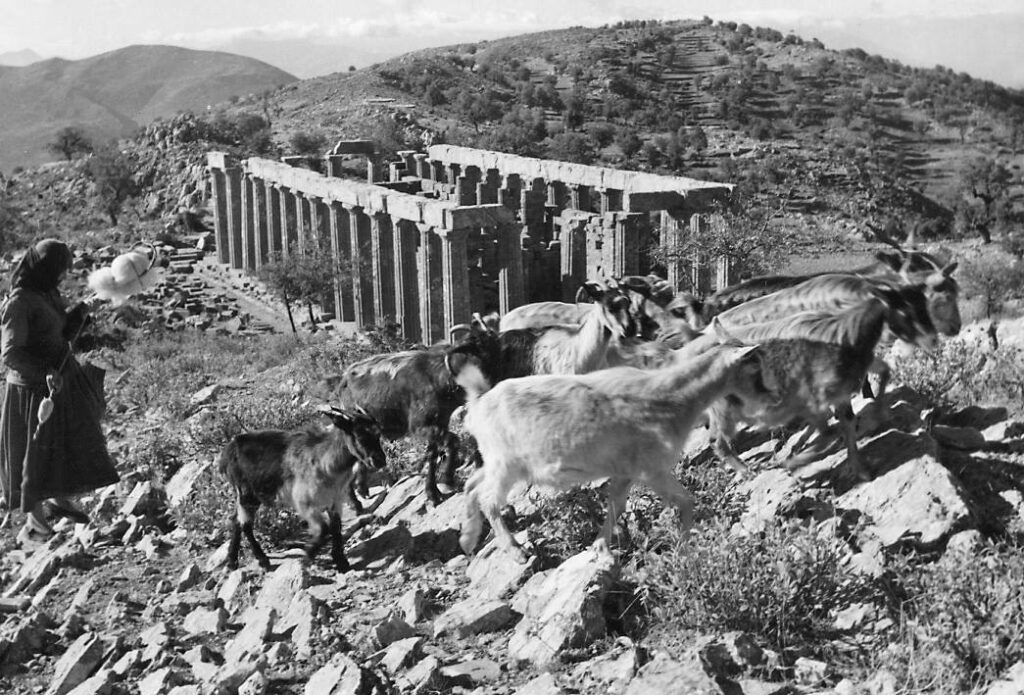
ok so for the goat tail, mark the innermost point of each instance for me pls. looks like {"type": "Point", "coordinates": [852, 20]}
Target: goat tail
{"type": "Point", "coordinates": [228, 455]}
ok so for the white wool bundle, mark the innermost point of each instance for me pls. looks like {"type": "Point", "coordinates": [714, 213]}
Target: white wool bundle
{"type": "Point", "coordinates": [129, 273]}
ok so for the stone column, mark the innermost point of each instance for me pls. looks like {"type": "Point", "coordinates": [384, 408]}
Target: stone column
{"type": "Point", "coordinates": [333, 165]}
{"type": "Point", "coordinates": [673, 237]}
{"type": "Point", "coordinates": [221, 212]}
{"type": "Point", "coordinates": [274, 236]}
{"type": "Point", "coordinates": [627, 244]}
{"type": "Point", "coordinates": [341, 249]}
{"type": "Point", "coordinates": [700, 271]}
{"type": "Point", "coordinates": [510, 192]}
{"type": "Point", "coordinates": [406, 239]}
{"type": "Point", "coordinates": [511, 291]}
{"type": "Point", "coordinates": [610, 199]}
{"type": "Point", "coordinates": [465, 191]}
{"type": "Point", "coordinates": [531, 211]}
{"type": "Point", "coordinates": [428, 271]}
{"type": "Point", "coordinates": [574, 256]}
{"type": "Point", "coordinates": [382, 245]}
{"type": "Point", "coordinates": [422, 169]}
{"type": "Point", "coordinates": [234, 195]}
{"type": "Point", "coordinates": [301, 222]}
{"type": "Point", "coordinates": [248, 223]}
{"type": "Point", "coordinates": [362, 267]}
{"type": "Point", "coordinates": [454, 277]}
{"type": "Point", "coordinates": [374, 170]}
{"type": "Point", "coordinates": [452, 173]}
{"type": "Point", "coordinates": [260, 219]}
{"type": "Point", "coordinates": [579, 197]}
{"type": "Point", "coordinates": [288, 234]}
{"type": "Point", "coordinates": [723, 272]}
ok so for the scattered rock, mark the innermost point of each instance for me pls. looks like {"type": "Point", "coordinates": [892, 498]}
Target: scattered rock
{"type": "Point", "coordinates": [473, 616]}
{"type": "Point", "coordinates": [562, 607]}
{"type": "Point", "coordinates": [919, 502]}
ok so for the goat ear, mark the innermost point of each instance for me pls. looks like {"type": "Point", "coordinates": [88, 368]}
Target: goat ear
{"type": "Point", "coordinates": [593, 289]}
{"type": "Point", "coordinates": [948, 269]}
{"type": "Point", "coordinates": [719, 331]}
{"type": "Point", "coordinates": [745, 350]}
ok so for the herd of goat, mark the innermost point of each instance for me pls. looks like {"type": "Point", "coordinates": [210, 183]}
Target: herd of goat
{"type": "Point", "coordinates": [561, 394]}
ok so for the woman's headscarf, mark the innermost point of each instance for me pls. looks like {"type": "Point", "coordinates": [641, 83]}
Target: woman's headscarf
{"type": "Point", "coordinates": [42, 265]}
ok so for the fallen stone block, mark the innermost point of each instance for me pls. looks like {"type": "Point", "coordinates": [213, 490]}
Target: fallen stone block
{"type": "Point", "coordinates": [412, 605]}
{"type": "Point", "coordinates": [391, 629]}
{"type": "Point", "coordinates": [424, 677]}
{"type": "Point", "coordinates": [471, 673]}
{"type": "Point", "coordinates": [205, 621]}
{"type": "Point", "coordinates": [666, 675]}
{"type": "Point", "coordinates": [920, 503]}
{"type": "Point", "coordinates": [495, 573]}
{"type": "Point", "coordinates": [562, 607]}
{"type": "Point", "coordinates": [180, 486]}
{"type": "Point", "coordinates": [473, 616]}
{"type": "Point", "coordinates": [76, 664]}
{"type": "Point", "coordinates": [611, 672]}
{"type": "Point", "coordinates": [399, 654]}
{"type": "Point", "coordinates": [544, 684]}
{"type": "Point", "coordinates": [343, 676]}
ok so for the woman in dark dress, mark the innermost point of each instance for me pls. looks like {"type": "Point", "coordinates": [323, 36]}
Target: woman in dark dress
{"type": "Point", "coordinates": [68, 454]}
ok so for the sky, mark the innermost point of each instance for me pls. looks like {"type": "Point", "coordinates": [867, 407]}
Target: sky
{"type": "Point", "coordinates": [977, 36]}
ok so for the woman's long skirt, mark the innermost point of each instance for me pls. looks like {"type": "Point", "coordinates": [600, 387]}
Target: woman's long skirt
{"type": "Point", "coordinates": [69, 456]}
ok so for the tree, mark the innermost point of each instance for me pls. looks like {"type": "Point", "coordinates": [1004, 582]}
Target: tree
{"type": "Point", "coordinates": [984, 194]}
{"type": "Point", "coordinates": [994, 277]}
{"type": "Point", "coordinates": [628, 141]}
{"type": "Point", "coordinates": [69, 142]}
{"type": "Point", "coordinates": [304, 277]}
{"type": "Point", "coordinates": [111, 173]}
{"type": "Point", "coordinates": [742, 229]}
{"type": "Point", "coordinates": [307, 143]}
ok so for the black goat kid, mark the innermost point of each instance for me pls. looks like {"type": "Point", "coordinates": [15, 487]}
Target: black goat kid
{"type": "Point", "coordinates": [309, 470]}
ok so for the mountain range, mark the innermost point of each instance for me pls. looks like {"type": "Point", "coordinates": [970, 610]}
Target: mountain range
{"type": "Point", "coordinates": [111, 95]}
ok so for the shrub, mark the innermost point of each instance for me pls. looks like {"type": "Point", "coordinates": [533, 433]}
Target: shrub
{"type": "Point", "coordinates": [308, 143]}
{"type": "Point", "coordinates": [784, 586]}
{"type": "Point", "coordinates": [962, 373]}
{"type": "Point", "coordinates": [964, 625]}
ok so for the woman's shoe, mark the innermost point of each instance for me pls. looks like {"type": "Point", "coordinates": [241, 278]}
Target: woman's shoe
{"type": "Point", "coordinates": [68, 510]}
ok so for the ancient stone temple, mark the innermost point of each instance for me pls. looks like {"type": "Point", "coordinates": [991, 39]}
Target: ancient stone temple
{"type": "Point", "coordinates": [436, 235]}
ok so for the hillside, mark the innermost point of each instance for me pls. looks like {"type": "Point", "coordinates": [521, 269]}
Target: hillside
{"type": "Point", "coordinates": [833, 134]}
{"type": "Point", "coordinates": [113, 94]}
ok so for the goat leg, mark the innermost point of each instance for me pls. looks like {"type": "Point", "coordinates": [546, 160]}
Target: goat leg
{"type": "Point", "coordinates": [318, 533]}
{"type": "Point", "coordinates": [248, 519]}
{"type": "Point", "coordinates": [848, 422]}
{"type": "Point", "coordinates": [618, 493]}
{"type": "Point", "coordinates": [673, 492]}
{"type": "Point", "coordinates": [353, 498]}
{"type": "Point", "coordinates": [337, 542]}
{"type": "Point", "coordinates": [473, 525]}
{"type": "Point", "coordinates": [723, 433]}
{"type": "Point", "coordinates": [430, 482]}
{"type": "Point", "coordinates": [451, 456]}
{"type": "Point", "coordinates": [235, 543]}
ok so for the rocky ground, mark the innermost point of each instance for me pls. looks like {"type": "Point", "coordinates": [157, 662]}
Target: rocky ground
{"type": "Point", "coordinates": [131, 603]}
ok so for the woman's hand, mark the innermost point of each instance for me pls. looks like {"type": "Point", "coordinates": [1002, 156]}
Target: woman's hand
{"type": "Point", "coordinates": [55, 382]}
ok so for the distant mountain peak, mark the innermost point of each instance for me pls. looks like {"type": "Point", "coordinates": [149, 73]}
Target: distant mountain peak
{"type": "Point", "coordinates": [20, 58]}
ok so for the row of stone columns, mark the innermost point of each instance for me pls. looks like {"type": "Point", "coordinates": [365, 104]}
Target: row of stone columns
{"type": "Point", "coordinates": [413, 273]}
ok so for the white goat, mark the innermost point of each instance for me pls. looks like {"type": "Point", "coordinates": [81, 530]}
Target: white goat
{"type": "Point", "coordinates": [625, 424]}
